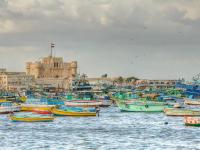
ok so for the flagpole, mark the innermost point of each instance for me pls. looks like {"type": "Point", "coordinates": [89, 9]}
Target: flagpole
{"type": "Point", "coordinates": [51, 50]}
{"type": "Point", "coordinates": [52, 46]}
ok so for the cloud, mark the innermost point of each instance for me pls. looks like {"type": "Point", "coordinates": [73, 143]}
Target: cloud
{"type": "Point", "coordinates": [7, 26]}
{"type": "Point", "coordinates": [116, 30]}
{"type": "Point", "coordinates": [120, 14]}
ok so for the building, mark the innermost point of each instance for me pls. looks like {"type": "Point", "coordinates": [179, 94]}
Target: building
{"type": "Point", "coordinates": [15, 80]}
{"type": "Point", "coordinates": [156, 83]}
{"type": "Point", "coordinates": [52, 67]}
{"type": "Point", "coordinates": [2, 70]}
{"type": "Point", "coordinates": [52, 71]}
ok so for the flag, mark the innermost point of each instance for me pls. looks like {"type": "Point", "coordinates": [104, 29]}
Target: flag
{"type": "Point", "coordinates": [52, 45]}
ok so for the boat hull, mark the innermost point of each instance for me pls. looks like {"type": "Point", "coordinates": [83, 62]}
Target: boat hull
{"type": "Point", "coordinates": [39, 111]}
{"type": "Point", "coordinates": [6, 110]}
{"type": "Point", "coordinates": [181, 112]}
{"type": "Point", "coordinates": [192, 121]}
{"type": "Point", "coordinates": [59, 112]}
{"type": "Point", "coordinates": [83, 103]}
{"type": "Point", "coordinates": [141, 107]}
{"type": "Point", "coordinates": [32, 108]}
{"type": "Point", "coordinates": [31, 119]}
{"type": "Point", "coordinates": [192, 102]}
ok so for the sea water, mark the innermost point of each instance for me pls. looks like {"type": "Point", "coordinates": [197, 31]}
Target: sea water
{"type": "Point", "coordinates": [112, 130]}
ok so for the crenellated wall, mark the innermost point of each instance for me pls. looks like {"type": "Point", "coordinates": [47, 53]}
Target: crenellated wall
{"type": "Point", "coordinates": [52, 67]}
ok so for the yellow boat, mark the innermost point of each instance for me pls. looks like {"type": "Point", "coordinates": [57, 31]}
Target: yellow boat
{"type": "Point", "coordinates": [4, 100]}
{"type": "Point", "coordinates": [32, 107]}
{"type": "Point", "coordinates": [23, 98]}
{"type": "Point", "coordinates": [31, 118]}
{"type": "Point", "coordinates": [59, 112]}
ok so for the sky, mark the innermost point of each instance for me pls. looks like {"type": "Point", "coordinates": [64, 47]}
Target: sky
{"type": "Point", "coordinates": [149, 39]}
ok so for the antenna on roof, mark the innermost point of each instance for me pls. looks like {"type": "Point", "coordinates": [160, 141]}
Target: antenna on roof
{"type": "Point", "coordinates": [52, 46]}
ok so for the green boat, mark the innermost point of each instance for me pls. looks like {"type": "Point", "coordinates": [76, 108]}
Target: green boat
{"type": "Point", "coordinates": [140, 106]}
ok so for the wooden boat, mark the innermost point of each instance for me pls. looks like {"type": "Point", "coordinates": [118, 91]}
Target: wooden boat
{"type": "Point", "coordinates": [178, 105]}
{"type": "Point", "coordinates": [31, 117]}
{"type": "Point", "coordinates": [191, 102]}
{"type": "Point", "coordinates": [181, 112]}
{"type": "Point", "coordinates": [83, 103]}
{"type": "Point", "coordinates": [32, 107]}
{"type": "Point", "coordinates": [192, 121]}
{"type": "Point", "coordinates": [59, 112]}
{"type": "Point", "coordinates": [41, 111]}
{"type": "Point", "coordinates": [105, 103]}
{"type": "Point", "coordinates": [8, 107]}
{"type": "Point", "coordinates": [139, 106]}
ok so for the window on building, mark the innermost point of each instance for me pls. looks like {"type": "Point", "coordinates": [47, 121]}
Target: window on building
{"type": "Point", "coordinates": [55, 64]}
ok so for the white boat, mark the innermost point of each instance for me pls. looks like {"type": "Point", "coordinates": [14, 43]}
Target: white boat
{"type": "Point", "coordinates": [191, 102]}
{"type": "Point", "coordinates": [83, 103]}
{"type": "Point", "coordinates": [8, 107]}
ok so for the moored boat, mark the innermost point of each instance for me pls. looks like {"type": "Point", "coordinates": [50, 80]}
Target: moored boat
{"type": "Point", "coordinates": [74, 111]}
{"type": "Point", "coordinates": [41, 111]}
{"type": "Point", "coordinates": [8, 107]}
{"type": "Point", "coordinates": [139, 106]}
{"type": "Point", "coordinates": [59, 112]}
{"type": "Point", "coordinates": [83, 103]}
{"type": "Point", "coordinates": [30, 117]}
{"type": "Point", "coordinates": [191, 102]}
{"type": "Point", "coordinates": [192, 121]}
{"type": "Point", "coordinates": [32, 107]}
{"type": "Point", "coordinates": [181, 112]}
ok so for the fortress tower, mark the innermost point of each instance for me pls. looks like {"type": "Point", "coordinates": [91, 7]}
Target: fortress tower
{"type": "Point", "coordinates": [52, 67]}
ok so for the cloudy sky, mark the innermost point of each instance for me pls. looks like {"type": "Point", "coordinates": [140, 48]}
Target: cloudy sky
{"type": "Point", "coordinates": [145, 38]}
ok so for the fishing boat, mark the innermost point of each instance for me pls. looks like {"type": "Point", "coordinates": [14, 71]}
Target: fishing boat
{"type": "Point", "coordinates": [30, 117]}
{"type": "Point", "coordinates": [105, 102]}
{"type": "Point", "coordinates": [59, 112]}
{"type": "Point", "coordinates": [8, 107]}
{"type": "Point", "coordinates": [74, 111]}
{"type": "Point", "coordinates": [139, 106]}
{"type": "Point", "coordinates": [192, 121]}
{"type": "Point", "coordinates": [181, 112]}
{"type": "Point", "coordinates": [83, 103]}
{"type": "Point", "coordinates": [191, 102]}
{"type": "Point", "coordinates": [41, 111]}
{"type": "Point", "coordinates": [33, 107]}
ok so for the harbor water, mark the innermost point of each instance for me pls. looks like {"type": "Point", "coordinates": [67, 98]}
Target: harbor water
{"type": "Point", "coordinates": [112, 130]}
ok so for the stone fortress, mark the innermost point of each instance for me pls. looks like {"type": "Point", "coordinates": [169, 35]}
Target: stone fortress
{"type": "Point", "coordinates": [52, 67]}
{"type": "Point", "coordinates": [52, 71]}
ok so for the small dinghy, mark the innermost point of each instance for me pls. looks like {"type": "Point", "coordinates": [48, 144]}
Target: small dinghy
{"type": "Point", "coordinates": [30, 117]}
{"type": "Point", "coordinates": [8, 107]}
{"type": "Point", "coordinates": [181, 112]}
{"type": "Point", "coordinates": [74, 111]}
{"type": "Point", "coordinates": [192, 121]}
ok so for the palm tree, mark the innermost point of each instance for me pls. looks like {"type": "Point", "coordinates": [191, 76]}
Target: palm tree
{"type": "Point", "coordinates": [104, 75]}
{"type": "Point", "coordinates": [120, 80]}
{"type": "Point", "coordinates": [131, 79]}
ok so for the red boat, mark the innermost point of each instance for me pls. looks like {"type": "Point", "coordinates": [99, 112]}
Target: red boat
{"type": "Point", "coordinates": [39, 111]}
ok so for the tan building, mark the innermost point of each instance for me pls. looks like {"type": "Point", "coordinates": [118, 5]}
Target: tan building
{"type": "Point", "coordinates": [15, 80]}
{"type": "Point", "coordinates": [156, 83]}
{"type": "Point", "coordinates": [52, 71]}
{"type": "Point", "coordinates": [52, 67]}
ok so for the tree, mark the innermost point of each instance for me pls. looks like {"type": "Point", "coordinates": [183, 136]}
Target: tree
{"type": "Point", "coordinates": [120, 80]}
{"type": "Point", "coordinates": [104, 75]}
{"type": "Point", "coordinates": [131, 79]}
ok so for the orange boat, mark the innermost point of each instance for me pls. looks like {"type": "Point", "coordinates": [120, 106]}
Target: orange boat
{"type": "Point", "coordinates": [192, 121]}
